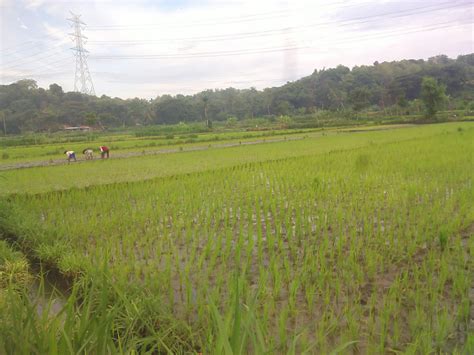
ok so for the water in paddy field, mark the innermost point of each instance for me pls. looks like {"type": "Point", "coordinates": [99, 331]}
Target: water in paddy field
{"type": "Point", "coordinates": [49, 291]}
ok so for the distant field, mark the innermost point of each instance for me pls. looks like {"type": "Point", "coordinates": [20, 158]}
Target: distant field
{"type": "Point", "coordinates": [356, 242]}
{"type": "Point", "coordinates": [150, 166]}
{"type": "Point", "coordinates": [126, 143]}
{"type": "Point", "coordinates": [13, 151]}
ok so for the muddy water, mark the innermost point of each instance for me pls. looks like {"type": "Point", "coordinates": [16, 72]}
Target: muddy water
{"type": "Point", "coordinates": [49, 290]}
{"type": "Point", "coordinates": [46, 298]}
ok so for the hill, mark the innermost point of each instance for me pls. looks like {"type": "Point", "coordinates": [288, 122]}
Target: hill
{"type": "Point", "coordinates": [388, 87]}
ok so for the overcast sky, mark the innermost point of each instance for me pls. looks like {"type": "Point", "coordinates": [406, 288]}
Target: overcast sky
{"type": "Point", "coordinates": [149, 48]}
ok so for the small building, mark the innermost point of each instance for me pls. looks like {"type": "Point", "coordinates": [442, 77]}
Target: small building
{"type": "Point", "coordinates": [77, 128]}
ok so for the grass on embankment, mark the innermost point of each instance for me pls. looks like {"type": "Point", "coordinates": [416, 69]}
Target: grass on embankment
{"type": "Point", "coordinates": [94, 316]}
{"type": "Point", "coordinates": [99, 318]}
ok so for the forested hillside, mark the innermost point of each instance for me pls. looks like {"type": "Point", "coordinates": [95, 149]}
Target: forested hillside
{"type": "Point", "coordinates": [388, 86]}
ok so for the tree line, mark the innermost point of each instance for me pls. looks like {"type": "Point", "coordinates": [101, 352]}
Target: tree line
{"type": "Point", "coordinates": [389, 86]}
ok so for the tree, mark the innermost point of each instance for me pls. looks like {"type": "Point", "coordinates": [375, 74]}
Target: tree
{"type": "Point", "coordinates": [360, 98]}
{"type": "Point", "coordinates": [3, 117]}
{"type": "Point", "coordinates": [205, 100]}
{"type": "Point", "coordinates": [394, 86]}
{"type": "Point", "coordinates": [284, 121]}
{"type": "Point", "coordinates": [56, 90]}
{"type": "Point", "coordinates": [433, 96]}
{"type": "Point", "coordinates": [231, 122]}
{"type": "Point", "coordinates": [28, 84]}
{"type": "Point", "coordinates": [90, 119]}
{"type": "Point", "coordinates": [284, 107]}
{"type": "Point", "coordinates": [267, 99]}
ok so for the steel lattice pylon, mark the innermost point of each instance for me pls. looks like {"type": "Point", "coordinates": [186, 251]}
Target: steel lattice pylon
{"type": "Point", "coordinates": [82, 80]}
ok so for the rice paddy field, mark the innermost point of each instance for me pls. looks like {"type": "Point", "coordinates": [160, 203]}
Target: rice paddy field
{"type": "Point", "coordinates": [355, 242]}
{"type": "Point", "coordinates": [50, 149]}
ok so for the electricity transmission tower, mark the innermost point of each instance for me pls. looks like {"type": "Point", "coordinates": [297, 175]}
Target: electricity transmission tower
{"type": "Point", "coordinates": [82, 81]}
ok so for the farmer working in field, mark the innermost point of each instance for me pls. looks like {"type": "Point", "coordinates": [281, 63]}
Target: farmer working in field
{"type": "Point", "coordinates": [88, 152]}
{"type": "Point", "coordinates": [104, 151]}
{"type": "Point", "coordinates": [70, 155]}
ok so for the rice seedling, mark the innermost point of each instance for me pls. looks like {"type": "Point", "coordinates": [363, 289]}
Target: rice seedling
{"type": "Point", "coordinates": [342, 247]}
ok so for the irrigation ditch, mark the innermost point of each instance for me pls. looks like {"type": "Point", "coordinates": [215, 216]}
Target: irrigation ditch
{"type": "Point", "coordinates": [49, 288]}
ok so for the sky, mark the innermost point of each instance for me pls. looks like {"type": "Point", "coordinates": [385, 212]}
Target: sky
{"type": "Point", "coordinates": [147, 48]}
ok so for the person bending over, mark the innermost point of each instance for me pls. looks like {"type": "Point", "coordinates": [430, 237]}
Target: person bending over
{"type": "Point", "coordinates": [71, 155]}
{"type": "Point", "coordinates": [88, 153]}
{"type": "Point", "coordinates": [104, 151]}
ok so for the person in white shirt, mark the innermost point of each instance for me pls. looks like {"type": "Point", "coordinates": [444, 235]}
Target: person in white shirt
{"type": "Point", "coordinates": [88, 153]}
{"type": "Point", "coordinates": [71, 155]}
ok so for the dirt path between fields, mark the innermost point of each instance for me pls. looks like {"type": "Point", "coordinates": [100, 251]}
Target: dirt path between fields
{"type": "Point", "coordinates": [129, 154]}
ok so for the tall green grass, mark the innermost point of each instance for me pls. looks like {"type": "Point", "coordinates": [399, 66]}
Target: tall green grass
{"type": "Point", "coordinates": [364, 249]}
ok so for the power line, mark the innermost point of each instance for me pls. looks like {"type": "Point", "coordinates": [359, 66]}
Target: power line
{"type": "Point", "coordinates": [17, 46]}
{"type": "Point", "coordinates": [257, 50]}
{"type": "Point", "coordinates": [40, 70]}
{"type": "Point", "coordinates": [22, 62]}
{"type": "Point", "coordinates": [396, 33]}
{"type": "Point", "coordinates": [48, 74]}
{"type": "Point", "coordinates": [141, 26]}
{"type": "Point", "coordinates": [228, 81]}
{"type": "Point", "coordinates": [393, 33]}
{"type": "Point", "coordinates": [31, 54]}
{"type": "Point", "coordinates": [200, 54]}
{"type": "Point", "coordinates": [35, 60]}
{"type": "Point", "coordinates": [279, 31]}
{"type": "Point", "coordinates": [348, 22]}
{"type": "Point", "coordinates": [32, 40]}
{"type": "Point", "coordinates": [83, 76]}
{"type": "Point", "coordinates": [250, 17]}
{"type": "Point", "coordinates": [436, 8]}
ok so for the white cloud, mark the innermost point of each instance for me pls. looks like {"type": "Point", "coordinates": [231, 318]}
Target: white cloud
{"type": "Point", "coordinates": [22, 24]}
{"type": "Point", "coordinates": [33, 4]}
{"type": "Point", "coordinates": [197, 46]}
{"type": "Point", "coordinates": [57, 34]}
